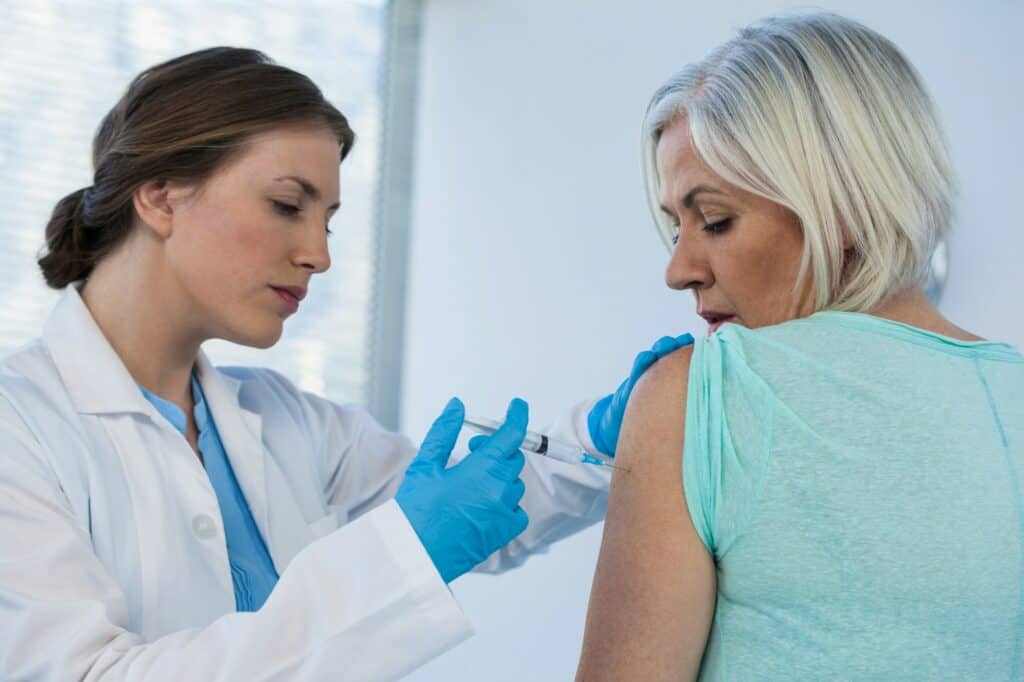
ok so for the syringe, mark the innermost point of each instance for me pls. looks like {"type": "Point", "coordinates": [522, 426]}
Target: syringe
{"type": "Point", "coordinates": [545, 445]}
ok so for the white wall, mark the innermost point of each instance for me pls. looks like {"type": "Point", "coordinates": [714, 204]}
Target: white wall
{"type": "Point", "coordinates": [536, 271]}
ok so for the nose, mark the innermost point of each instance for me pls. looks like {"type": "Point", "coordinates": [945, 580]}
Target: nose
{"type": "Point", "coordinates": [688, 268]}
{"type": "Point", "coordinates": [312, 253]}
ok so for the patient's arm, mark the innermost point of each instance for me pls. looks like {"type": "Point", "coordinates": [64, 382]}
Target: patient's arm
{"type": "Point", "coordinates": [654, 589]}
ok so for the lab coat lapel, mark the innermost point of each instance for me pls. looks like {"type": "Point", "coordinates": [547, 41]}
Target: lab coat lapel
{"type": "Point", "coordinates": [270, 498]}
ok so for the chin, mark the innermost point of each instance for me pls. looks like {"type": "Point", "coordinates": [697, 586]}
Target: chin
{"type": "Point", "coordinates": [257, 338]}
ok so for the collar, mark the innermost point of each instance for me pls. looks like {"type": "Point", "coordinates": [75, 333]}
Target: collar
{"type": "Point", "coordinates": [94, 374]}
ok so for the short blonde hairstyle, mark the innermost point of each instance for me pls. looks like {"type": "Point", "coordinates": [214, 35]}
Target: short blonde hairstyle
{"type": "Point", "coordinates": [826, 117]}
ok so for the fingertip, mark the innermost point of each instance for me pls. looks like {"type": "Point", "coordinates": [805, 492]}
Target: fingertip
{"type": "Point", "coordinates": [684, 339]}
{"type": "Point", "coordinates": [644, 359]}
{"type": "Point", "coordinates": [477, 441]}
{"type": "Point", "coordinates": [523, 518]}
{"type": "Point", "coordinates": [518, 410]}
{"type": "Point", "coordinates": [665, 341]}
{"type": "Point", "coordinates": [452, 415]}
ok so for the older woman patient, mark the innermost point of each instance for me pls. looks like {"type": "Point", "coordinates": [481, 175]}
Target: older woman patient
{"type": "Point", "coordinates": [829, 485]}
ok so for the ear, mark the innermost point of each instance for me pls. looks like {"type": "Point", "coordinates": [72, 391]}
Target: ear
{"type": "Point", "coordinates": [153, 206]}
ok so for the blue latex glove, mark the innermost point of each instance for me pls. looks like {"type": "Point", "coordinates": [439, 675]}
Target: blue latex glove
{"type": "Point", "coordinates": [605, 419]}
{"type": "Point", "coordinates": [464, 513]}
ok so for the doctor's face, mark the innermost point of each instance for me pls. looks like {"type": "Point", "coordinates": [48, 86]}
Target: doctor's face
{"type": "Point", "coordinates": [738, 252]}
{"type": "Point", "coordinates": [245, 244]}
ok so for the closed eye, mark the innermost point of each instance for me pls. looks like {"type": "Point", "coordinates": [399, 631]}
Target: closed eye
{"type": "Point", "coordinates": [286, 209]}
{"type": "Point", "coordinates": [290, 211]}
{"type": "Point", "coordinates": [719, 227]}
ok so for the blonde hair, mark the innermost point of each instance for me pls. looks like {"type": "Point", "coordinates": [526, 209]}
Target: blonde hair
{"type": "Point", "coordinates": [826, 117]}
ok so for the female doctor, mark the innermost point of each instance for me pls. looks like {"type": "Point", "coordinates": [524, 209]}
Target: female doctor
{"type": "Point", "coordinates": [161, 518]}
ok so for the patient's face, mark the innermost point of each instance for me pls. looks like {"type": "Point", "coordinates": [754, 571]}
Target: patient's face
{"type": "Point", "coordinates": [739, 252]}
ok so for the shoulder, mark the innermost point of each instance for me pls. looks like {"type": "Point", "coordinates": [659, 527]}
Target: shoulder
{"type": "Point", "coordinates": [261, 388]}
{"type": "Point", "coordinates": [32, 389]}
{"type": "Point", "coordinates": [27, 366]}
{"type": "Point", "coordinates": [662, 389]}
{"type": "Point", "coordinates": [258, 376]}
{"type": "Point", "coordinates": [652, 429]}
{"type": "Point", "coordinates": [273, 395]}
{"type": "Point", "coordinates": [263, 382]}
{"type": "Point", "coordinates": [33, 416]}
{"type": "Point", "coordinates": [269, 392]}
{"type": "Point", "coordinates": [667, 373]}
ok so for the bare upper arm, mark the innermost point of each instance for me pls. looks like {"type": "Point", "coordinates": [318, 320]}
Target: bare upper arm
{"type": "Point", "coordinates": [654, 588]}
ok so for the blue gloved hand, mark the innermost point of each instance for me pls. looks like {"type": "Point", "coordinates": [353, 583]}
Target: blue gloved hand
{"type": "Point", "coordinates": [605, 419]}
{"type": "Point", "coordinates": [465, 513]}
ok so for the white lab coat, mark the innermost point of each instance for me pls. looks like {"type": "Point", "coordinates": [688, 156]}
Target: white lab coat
{"type": "Point", "coordinates": [113, 562]}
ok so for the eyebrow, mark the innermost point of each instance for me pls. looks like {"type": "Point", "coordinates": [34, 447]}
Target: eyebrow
{"type": "Point", "coordinates": [309, 188]}
{"type": "Point", "coordinates": [687, 201]}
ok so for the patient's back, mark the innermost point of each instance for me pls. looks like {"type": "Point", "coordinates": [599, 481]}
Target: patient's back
{"type": "Point", "coordinates": [859, 483]}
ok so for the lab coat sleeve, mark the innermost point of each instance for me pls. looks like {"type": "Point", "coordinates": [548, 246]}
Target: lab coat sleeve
{"type": "Point", "coordinates": [362, 603]}
{"type": "Point", "coordinates": [360, 463]}
{"type": "Point", "coordinates": [560, 499]}
{"type": "Point", "coordinates": [363, 463]}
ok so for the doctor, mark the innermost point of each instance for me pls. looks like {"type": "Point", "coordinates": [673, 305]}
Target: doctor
{"type": "Point", "coordinates": [161, 518]}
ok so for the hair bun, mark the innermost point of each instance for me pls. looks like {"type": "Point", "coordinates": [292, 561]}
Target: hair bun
{"type": "Point", "coordinates": [65, 260]}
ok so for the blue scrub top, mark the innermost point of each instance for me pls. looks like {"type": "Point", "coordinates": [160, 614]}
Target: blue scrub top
{"type": "Point", "coordinates": [252, 571]}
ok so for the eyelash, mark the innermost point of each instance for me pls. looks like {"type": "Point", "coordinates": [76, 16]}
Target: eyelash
{"type": "Point", "coordinates": [719, 227]}
{"type": "Point", "coordinates": [713, 228]}
{"type": "Point", "coordinates": [290, 211]}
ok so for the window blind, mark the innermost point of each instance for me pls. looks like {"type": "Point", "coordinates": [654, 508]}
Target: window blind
{"type": "Point", "coordinates": [63, 65]}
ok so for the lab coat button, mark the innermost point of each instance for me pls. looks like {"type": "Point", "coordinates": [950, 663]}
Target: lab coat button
{"type": "Point", "coordinates": [204, 527]}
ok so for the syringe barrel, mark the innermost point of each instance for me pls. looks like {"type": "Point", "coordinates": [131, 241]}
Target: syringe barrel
{"type": "Point", "coordinates": [534, 442]}
{"type": "Point", "coordinates": [541, 444]}
{"type": "Point", "coordinates": [564, 452]}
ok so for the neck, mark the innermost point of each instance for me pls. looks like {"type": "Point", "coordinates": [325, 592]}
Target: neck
{"type": "Point", "coordinates": [911, 306]}
{"type": "Point", "coordinates": [141, 311]}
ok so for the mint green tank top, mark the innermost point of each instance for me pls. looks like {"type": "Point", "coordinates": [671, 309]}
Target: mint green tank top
{"type": "Point", "coordinates": [859, 484]}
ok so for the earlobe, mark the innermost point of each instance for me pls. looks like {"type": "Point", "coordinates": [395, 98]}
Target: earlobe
{"type": "Point", "coordinates": [153, 207]}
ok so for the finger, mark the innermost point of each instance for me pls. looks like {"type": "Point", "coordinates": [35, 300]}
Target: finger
{"type": "Point", "coordinates": [516, 463]}
{"type": "Point", "coordinates": [509, 467]}
{"type": "Point", "coordinates": [664, 345]}
{"type": "Point", "coordinates": [684, 340]}
{"type": "Point", "coordinates": [509, 436]}
{"type": "Point", "coordinates": [513, 492]}
{"type": "Point", "coordinates": [644, 359]}
{"type": "Point", "coordinates": [443, 433]}
{"type": "Point", "coordinates": [520, 520]}
{"type": "Point", "coordinates": [477, 441]}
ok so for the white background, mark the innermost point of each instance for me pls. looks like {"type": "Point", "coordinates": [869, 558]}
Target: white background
{"type": "Point", "coordinates": [536, 270]}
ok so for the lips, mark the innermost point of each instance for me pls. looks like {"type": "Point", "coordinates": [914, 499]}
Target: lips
{"type": "Point", "coordinates": [298, 293]}
{"type": "Point", "coordinates": [289, 296]}
{"type": "Point", "coordinates": [715, 319]}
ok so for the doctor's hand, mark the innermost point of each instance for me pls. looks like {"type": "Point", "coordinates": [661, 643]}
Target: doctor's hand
{"type": "Point", "coordinates": [465, 513]}
{"type": "Point", "coordinates": [605, 418]}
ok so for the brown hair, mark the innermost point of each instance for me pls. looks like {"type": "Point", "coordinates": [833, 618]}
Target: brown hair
{"type": "Point", "coordinates": [179, 120]}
